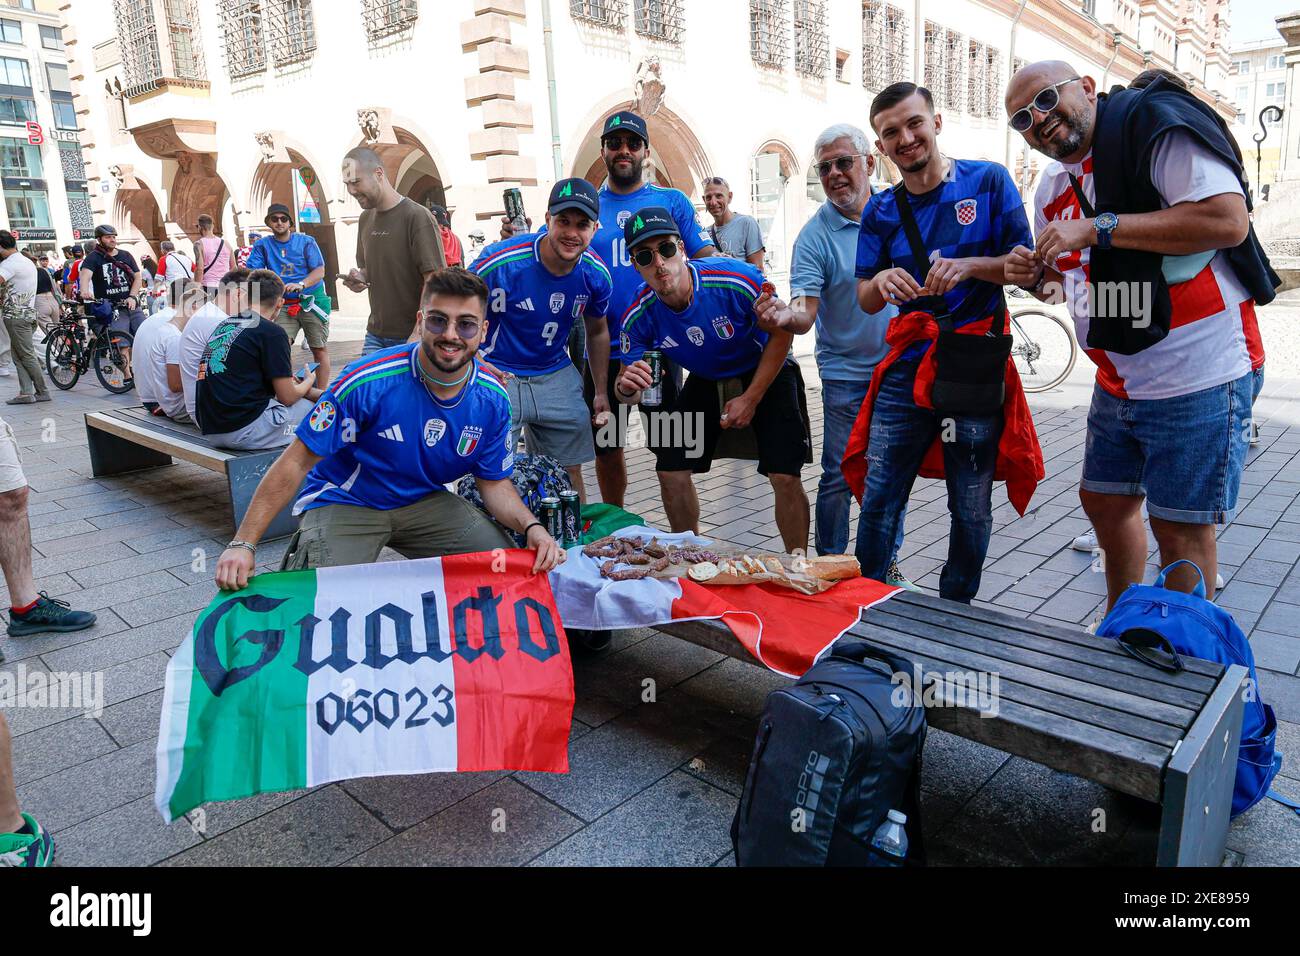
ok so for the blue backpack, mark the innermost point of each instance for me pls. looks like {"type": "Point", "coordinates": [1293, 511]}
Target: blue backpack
{"type": "Point", "coordinates": [1191, 625]}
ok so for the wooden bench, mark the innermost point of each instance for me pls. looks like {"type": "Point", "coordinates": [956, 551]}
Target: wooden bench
{"type": "Point", "coordinates": [1071, 701]}
{"type": "Point", "coordinates": [130, 439]}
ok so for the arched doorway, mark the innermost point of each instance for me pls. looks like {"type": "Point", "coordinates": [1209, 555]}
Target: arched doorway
{"type": "Point", "coordinates": [677, 159]}
{"type": "Point", "coordinates": [778, 194]}
{"type": "Point", "coordinates": [297, 185]}
{"type": "Point", "coordinates": [138, 219]}
{"type": "Point", "coordinates": [411, 168]}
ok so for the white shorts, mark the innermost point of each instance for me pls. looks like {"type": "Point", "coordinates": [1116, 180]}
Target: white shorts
{"type": "Point", "coordinates": [11, 465]}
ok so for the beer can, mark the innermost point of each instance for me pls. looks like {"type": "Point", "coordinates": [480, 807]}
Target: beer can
{"type": "Point", "coordinates": [571, 517]}
{"type": "Point", "coordinates": [653, 396]}
{"type": "Point", "coordinates": [549, 515]}
{"type": "Point", "coordinates": [514, 200]}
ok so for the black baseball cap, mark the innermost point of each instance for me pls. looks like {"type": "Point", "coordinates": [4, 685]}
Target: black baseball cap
{"type": "Point", "coordinates": [280, 209]}
{"type": "Point", "coordinates": [650, 222]}
{"type": "Point", "coordinates": [626, 121]}
{"type": "Point", "coordinates": [574, 194]}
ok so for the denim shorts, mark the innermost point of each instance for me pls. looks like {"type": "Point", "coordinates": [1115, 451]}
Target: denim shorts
{"type": "Point", "coordinates": [1185, 454]}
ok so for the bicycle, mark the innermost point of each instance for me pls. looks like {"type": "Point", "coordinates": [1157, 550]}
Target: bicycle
{"type": "Point", "coordinates": [69, 353]}
{"type": "Point", "coordinates": [1042, 343]}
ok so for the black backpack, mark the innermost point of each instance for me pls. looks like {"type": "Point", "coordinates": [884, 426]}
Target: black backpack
{"type": "Point", "coordinates": [835, 752]}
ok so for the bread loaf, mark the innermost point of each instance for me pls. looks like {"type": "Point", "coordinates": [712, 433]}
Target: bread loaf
{"type": "Point", "coordinates": [834, 567]}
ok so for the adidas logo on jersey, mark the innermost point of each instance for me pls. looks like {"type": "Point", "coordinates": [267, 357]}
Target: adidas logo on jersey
{"type": "Point", "coordinates": [668, 343]}
{"type": "Point", "coordinates": [392, 434]}
{"type": "Point", "coordinates": [526, 305]}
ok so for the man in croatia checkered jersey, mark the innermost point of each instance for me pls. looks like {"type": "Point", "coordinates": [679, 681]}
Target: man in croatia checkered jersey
{"type": "Point", "coordinates": [1147, 198]}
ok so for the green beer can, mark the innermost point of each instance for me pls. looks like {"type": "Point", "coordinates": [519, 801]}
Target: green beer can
{"type": "Point", "coordinates": [548, 513]}
{"type": "Point", "coordinates": [570, 517]}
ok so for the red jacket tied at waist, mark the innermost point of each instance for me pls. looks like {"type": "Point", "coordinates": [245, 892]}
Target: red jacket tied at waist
{"type": "Point", "coordinates": [1020, 459]}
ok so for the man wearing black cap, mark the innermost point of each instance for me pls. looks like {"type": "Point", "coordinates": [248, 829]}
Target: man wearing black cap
{"type": "Point", "coordinates": [297, 260]}
{"type": "Point", "coordinates": [539, 284]}
{"type": "Point", "coordinates": [110, 277]}
{"type": "Point", "coordinates": [701, 314]}
{"type": "Point", "coordinates": [451, 247]}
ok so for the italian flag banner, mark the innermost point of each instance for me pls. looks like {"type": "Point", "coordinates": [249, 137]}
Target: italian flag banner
{"type": "Point", "coordinates": [307, 677]}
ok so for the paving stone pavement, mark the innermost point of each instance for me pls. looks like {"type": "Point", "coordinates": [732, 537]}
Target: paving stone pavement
{"type": "Point", "coordinates": [651, 784]}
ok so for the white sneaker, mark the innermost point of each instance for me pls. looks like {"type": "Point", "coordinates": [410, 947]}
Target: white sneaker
{"type": "Point", "coordinates": [1085, 542]}
{"type": "Point", "coordinates": [1218, 582]}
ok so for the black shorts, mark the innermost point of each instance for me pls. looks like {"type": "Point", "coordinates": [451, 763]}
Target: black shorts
{"type": "Point", "coordinates": [778, 427]}
{"type": "Point", "coordinates": [614, 437]}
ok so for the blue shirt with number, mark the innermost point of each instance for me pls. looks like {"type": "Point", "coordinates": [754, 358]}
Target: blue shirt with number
{"type": "Point", "coordinates": [716, 336]}
{"type": "Point", "coordinates": [292, 261]}
{"type": "Point", "coordinates": [385, 441]}
{"type": "Point", "coordinates": [531, 310]}
{"type": "Point", "coordinates": [615, 209]}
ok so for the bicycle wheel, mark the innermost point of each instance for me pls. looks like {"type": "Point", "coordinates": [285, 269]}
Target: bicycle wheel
{"type": "Point", "coordinates": [63, 358]}
{"type": "Point", "coordinates": [110, 359]}
{"type": "Point", "coordinates": [1044, 349]}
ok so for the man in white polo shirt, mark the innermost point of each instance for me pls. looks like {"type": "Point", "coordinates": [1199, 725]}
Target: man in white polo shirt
{"type": "Point", "coordinates": [233, 297]}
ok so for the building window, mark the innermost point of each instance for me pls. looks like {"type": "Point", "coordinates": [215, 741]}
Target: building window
{"type": "Point", "coordinates": [977, 98]}
{"type": "Point", "coordinates": [1241, 118]}
{"type": "Point", "coordinates": [386, 17]}
{"type": "Point", "coordinates": [293, 30]}
{"type": "Point", "coordinates": [20, 160]}
{"type": "Point", "coordinates": [57, 75]}
{"type": "Point", "coordinates": [841, 66]}
{"type": "Point", "coordinates": [1276, 62]}
{"type": "Point", "coordinates": [1241, 67]}
{"type": "Point", "coordinates": [1242, 93]}
{"type": "Point", "coordinates": [11, 31]}
{"type": "Point", "coordinates": [72, 162]}
{"type": "Point", "coordinates": [65, 117]}
{"type": "Point", "coordinates": [28, 209]}
{"type": "Point", "coordinates": [604, 13]}
{"type": "Point", "coordinates": [241, 30]}
{"type": "Point", "coordinates": [1090, 8]}
{"type": "Point", "coordinates": [17, 109]}
{"type": "Point", "coordinates": [658, 19]}
{"type": "Point", "coordinates": [15, 72]}
{"type": "Point", "coordinates": [884, 44]}
{"type": "Point", "coordinates": [768, 39]}
{"type": "Point", "coordinates": [994, 88]}
{"type": "Point", "coordinates": [183, 32]}
{"type": "Point", "coordinates": [954, 69]}
{"type": "Point", "coordinates": [51, 37]}
{"type": "Point", "coordinates": [934, 64]}
{"type": "Point", "coordinates": [137, 38]}
{"type": "Point", "coordinates": [811, 41]}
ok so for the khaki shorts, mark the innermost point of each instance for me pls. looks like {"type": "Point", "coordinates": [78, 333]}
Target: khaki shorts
{"type": "Point", "coordinates": [313, 329]}
{"type": "Point", "coordinates": [11, 465]}
{"type": "Point", "coordinates": [442, 523]}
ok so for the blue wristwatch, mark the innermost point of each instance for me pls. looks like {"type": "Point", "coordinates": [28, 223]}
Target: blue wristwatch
{"type": "Point", "coordinates": [1105, 224]}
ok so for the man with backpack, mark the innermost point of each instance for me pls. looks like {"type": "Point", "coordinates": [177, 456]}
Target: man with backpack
{"type": "Point", "coordinates": [1170, 418]}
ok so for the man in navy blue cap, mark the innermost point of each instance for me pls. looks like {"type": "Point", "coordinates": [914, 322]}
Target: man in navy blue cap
{"type": "Point", "coordinates": [539, 284]}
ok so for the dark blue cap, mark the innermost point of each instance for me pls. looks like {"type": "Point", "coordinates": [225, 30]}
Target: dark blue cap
{"type": "Point", "coordinates": [648, 223]}
{"type": "Point", "coordinates": [626, 121]}
{"type": "Point", "coordinates": [574, 194]}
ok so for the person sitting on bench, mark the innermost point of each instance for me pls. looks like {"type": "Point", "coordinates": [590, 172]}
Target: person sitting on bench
{"type": "Point", "coordinates": [247, 397]}
{"type": "Point", "coordinates": [158, 351]}
{"type": "Point", "coordinates": [383, 442]}
{"type": "Point", "coordinates": [701, 314]}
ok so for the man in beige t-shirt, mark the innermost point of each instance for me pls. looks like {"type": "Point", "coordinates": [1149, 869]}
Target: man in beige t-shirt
{"type": "Point", "coordinates": [398, 247]}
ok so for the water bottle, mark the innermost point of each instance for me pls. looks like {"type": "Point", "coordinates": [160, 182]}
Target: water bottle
{"type": "Point", "coordinates": [891, 839]}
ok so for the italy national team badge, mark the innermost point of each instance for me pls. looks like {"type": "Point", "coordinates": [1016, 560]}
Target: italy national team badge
{"type": "Point", "coordinates": [469, 439]}
{"type": "Point", "coordinates": [557, 302]}
{"type": "Point", "coordinates": [723, 327]}
{"type": "Point", "coordinates": [579, 305]}
{"type": "Point", "coordinates": [322, 416]}
{"type": "Point", "coordinates": [434, 429]}
{"type": "Point", "coordinates": [696, 335]}
{"type": "Point", "coordinates": [623, 216]}
{"type": "Point", "coordinates": [966, 211]}
{"type": "Point", "coordinates": [624, 342]}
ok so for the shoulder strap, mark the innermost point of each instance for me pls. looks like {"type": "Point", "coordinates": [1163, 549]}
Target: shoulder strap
{"type": "Point", "coordinates": [1086, 206]}
{"type": "Point", "coordinates": [911, 230]}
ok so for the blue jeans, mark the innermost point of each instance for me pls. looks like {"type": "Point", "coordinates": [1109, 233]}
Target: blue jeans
{"type": "Point", "coordinates": [841, 401]}
{"type": "Point", "coordinates": [901, 433]}
{"type": "Point", "coordinates": [374, 343]}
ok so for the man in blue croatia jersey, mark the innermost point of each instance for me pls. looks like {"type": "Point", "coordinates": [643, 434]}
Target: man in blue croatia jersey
{"type": "Point", "coordinates": [969, 216]}
{"type": "Point", "coordinates": [701, 315]}
{"type": "Point", "coordinates": [539, 284]}
{"type": "Point", "coordinates": [370, 463]}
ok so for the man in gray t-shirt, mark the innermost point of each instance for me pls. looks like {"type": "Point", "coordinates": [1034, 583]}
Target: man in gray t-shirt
{"type": "Point", "coordinates": [734, 235]}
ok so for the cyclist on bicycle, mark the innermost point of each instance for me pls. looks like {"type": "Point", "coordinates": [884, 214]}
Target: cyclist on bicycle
{"type": "Point", "coordinates": [112, 294]}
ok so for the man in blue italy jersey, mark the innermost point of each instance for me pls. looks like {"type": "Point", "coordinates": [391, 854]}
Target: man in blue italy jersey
{"type": "Point", "coordinates": [700, 314]}
{"type": "Point", "coordinates": [539, 285]}
{"type": "Point", "coordinates": [370, 463]}
{"type": "Point", "coordinates": [969, 216]}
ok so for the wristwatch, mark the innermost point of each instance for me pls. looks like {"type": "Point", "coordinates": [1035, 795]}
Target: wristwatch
{"type": "Point", "coordinates": [1105, 225]}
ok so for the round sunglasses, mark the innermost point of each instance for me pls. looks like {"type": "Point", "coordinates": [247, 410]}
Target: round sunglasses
{"type": "Point", "coordinates": [467, 329]}
{"type": "Point", "coordinates": [1046, 100]}
{"type": "Point", "coordinates": [667, 249]}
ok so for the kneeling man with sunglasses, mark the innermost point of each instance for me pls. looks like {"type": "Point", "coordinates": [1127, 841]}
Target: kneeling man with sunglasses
{"type": "Point", "coordinates": [380, 445]}
{"type": "Point", "coordinates": [700, 313]}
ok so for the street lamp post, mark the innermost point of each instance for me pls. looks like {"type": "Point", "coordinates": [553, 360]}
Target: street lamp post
{"type": "Point", "coordinates": [1268, 112]}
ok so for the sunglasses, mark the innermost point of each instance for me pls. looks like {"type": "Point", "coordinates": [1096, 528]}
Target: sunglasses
{"type": "Point", "coordinates": [467, 329]}
{"type": "Point", "coordinates": [841, 163]}
{"type": "Point", "coordinates": [667, 249]}
{"type": "Point", "coordinates": [278, 219]}
{"type": "Point", "coordinates": [634, 143]}
{"type": "Point", "coordinates": [1046, 100]}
